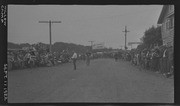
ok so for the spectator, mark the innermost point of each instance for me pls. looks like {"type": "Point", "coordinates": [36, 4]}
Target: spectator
{"type": "Point", "coordinates": [165, 61]}
{"type": "Point", "coordinates": [156, 60]}
{"type": "Point", "coordinates": [170, 62]}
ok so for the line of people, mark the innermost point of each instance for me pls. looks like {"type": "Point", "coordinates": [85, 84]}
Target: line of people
{"type": "Point", "coordinates": [159, 59]}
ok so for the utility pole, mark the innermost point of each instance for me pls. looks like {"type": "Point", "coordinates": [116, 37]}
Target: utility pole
{"type": "Point", "coordinates": [125, 31]}
{"type": "Point", "coordinates": [91, 44]}
{"type": "Point", "coordinates": [50, 22]}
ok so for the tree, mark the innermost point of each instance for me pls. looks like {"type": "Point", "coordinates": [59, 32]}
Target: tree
{"type": "Point", "coordinates": [11, 45]}
{"type": "Point", "coordinates": [60, 46]}
{"type": "Point", "coordinates": [152, 36]}
{"type": "Point", "coordinates": [141, 46]}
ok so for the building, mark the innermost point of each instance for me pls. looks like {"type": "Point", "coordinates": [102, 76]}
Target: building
{"type": "Point", "coordinates": [166, 20]}
{"type": "Point", "coordinates": [98, 46]}
{"type": "Point", "coordinates": [134, 43]}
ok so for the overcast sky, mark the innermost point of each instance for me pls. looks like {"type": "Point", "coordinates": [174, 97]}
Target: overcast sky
{"type": "Point", "coordinates": [80, 23]}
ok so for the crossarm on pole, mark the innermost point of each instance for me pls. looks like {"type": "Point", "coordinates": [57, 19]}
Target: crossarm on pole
{"type": "Point", "coordinates": [55, 21]}
{"type": "Point", "coordinates": [43, 21]}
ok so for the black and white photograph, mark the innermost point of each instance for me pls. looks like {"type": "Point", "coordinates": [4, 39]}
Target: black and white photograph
{"type": "Point", "coordinates": [90, 53]}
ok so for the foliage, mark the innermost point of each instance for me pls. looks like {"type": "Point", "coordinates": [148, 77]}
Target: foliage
{"type": "Point", "coordinates": [59, 47]}
{"type": "Point", "coordinates": [56, 47]}
{"type": "Point", "coordinates": [151, 36]}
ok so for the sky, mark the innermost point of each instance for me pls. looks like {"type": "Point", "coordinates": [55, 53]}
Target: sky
{"type": "Point", "coordinates": [81, 23]}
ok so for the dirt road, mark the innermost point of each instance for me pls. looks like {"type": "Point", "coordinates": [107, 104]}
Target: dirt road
{"type": "Point", "coordinates": [103, 81]}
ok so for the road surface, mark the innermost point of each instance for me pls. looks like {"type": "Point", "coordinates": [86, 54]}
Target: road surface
{"type": "Point", "coordinates": [103, 81]}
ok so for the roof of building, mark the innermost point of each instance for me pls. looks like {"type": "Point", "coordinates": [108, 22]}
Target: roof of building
{"type": "Point", "coordinates": [162, 15]}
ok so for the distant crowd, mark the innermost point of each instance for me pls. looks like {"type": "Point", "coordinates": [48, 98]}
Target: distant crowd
{"type": "Point", "coordinates": [37, 56]}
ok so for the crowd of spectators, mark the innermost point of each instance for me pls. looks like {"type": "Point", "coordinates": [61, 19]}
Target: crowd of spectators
{"type": "Point", "coordinates": [34, 56]}
{"type": "Point", "coordinates": [158, 59]}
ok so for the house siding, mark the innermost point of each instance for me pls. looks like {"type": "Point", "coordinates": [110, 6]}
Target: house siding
{"type": "Point", "coordinates": [168, 33]}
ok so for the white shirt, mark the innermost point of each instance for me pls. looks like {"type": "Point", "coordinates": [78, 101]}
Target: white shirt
{"type": "Point", "coordinates": [74, 56]}
{"type": "Point", "coordinates": [164, 54]}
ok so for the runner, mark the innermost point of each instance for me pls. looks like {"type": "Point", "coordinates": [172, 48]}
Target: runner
{"type": "Point", "coordinates": [88, 54]}
{"type": "Point", "coordinates": [116, 56]}
{"type": "Point", "coordinates": [74, 58]}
